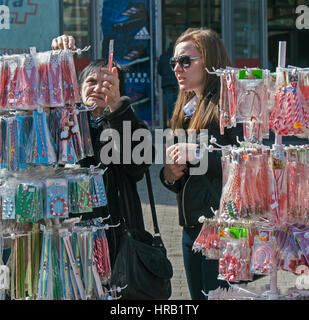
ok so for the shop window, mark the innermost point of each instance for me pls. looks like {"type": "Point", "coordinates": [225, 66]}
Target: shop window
{"type": "Point", "coordinates": [282, 18]}
{"type": "Point", "coordinates": [246, 33]}
{"type": "Point", "coordinates": [76, 22]}
{"type": "Point", "coordinates": [178, 15]}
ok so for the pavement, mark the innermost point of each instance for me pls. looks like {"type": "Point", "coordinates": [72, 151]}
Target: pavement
{"type": "Point", "coordinates": [171, 232]}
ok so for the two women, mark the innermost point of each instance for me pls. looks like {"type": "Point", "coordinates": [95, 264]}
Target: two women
{"type": "Point", "coordinates": [196, 109]}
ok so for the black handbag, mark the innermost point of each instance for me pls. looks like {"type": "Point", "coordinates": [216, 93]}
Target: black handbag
{"type": "Point", "coordinates": [141, 266]}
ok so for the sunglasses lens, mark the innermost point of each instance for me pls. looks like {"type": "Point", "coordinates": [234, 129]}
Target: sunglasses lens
{"type": "Point", "coordinates": [184, 61]}
{"type": "Point", "coordinates": [173, 62]}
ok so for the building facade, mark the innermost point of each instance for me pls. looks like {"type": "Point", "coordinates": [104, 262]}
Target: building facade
{"type": "Point", "coordinates": [143, 29]}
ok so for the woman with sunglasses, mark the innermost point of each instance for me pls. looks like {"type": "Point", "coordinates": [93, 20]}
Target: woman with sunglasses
{"type": "Point", "coordinates": [197, 109]}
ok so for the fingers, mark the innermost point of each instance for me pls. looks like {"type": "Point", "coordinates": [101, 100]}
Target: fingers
{"type": "Point", "coordinates": [115, 71]}
{"type": "Point", "coordinates": [63, 42]}
{"type": "Point", "coordinates": [71, 42]}
{"type": "Point", "coordinates": [55, 45]}
{"type": "Point", "coordinates": [174, 172]}
{"type": "Point", "coordinates": [110, 87]}
{"type": "Point", "coordinates": [170, 151]}
{"type": "Point", "coordinates": [176, 154]}
{"type": "Point", "coordinates": [111, 80]}
{"type": "Point", "coordinates": [110, 75]}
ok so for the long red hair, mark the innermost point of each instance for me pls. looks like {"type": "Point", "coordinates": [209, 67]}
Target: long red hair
{"type": "Point", "coordinates": [214, 54]}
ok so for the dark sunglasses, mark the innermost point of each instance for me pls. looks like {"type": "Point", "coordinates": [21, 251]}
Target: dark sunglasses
{"type": "Point", "coordinates": [184, 61]}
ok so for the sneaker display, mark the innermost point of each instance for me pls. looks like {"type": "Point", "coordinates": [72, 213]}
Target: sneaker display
{"type": "Point", "coordinates": [132, 55]}
{"type": "Point", "coordinates": [134, 14]}
{"type": "Point", "coordinates": [136, 96]}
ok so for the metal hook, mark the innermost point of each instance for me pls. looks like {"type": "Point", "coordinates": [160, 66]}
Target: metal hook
{"type": "Point", "coordinates": [107, 226]}
{"type": "Point", "coordinates": [76, 50]}
{"type": "Point", "coordinates": [79, 51]}
{"type": "Point", "coordinates": [92, 167]}
{"type": "Point", "coordinates": [87, 108]}
{"type": "Point", "coordinates": [118, 289]}
{"type": "Point", "coordinates": [216, 72]}
{"type": "Point", "coordinates": [101, 219]}
{"type": "Point", "coordinates": [213, 140]}
{"type": "Point", "coordinates": [238, 141]}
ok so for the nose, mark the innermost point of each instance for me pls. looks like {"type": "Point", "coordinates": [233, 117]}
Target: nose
{"type": "Point", "coordinates": [177, 67]}
{"type": "Point", "coordinates": [98, 87]}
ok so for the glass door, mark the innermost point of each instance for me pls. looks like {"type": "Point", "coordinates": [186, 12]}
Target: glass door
{"type": "Point", "coordinates": [246, 31]}
{"type": "Point", "coordinates": [178, 15]}
{"type": "Point", "coordinates": [77, 23]}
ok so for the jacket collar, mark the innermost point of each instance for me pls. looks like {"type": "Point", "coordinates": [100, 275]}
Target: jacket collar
{"type": "Point", "coordinates": [190, 107]}
{"type": "Point", "coordinates": [95, 123]}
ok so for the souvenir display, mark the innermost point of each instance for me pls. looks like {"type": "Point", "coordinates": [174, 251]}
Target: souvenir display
{"type": "Point", "coordinates": [52, 256]}
{"type": "Point", "coordinates": [265, 189]}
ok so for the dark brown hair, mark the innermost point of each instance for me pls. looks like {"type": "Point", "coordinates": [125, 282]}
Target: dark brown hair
{"type": "Point", "coordinates": [101, 63]}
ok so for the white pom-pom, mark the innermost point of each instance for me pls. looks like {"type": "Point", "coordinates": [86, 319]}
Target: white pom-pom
{"type": "Point", "coordinates": [64, 134]}
{"type": "Point", "coordinates": [210, 148]}
{"type": "Point", "coordinates": [213, 140]}
{"type": "Point", "coordinates": [75, 129]}
{"type": "Point", "coordinates": [201, 219]}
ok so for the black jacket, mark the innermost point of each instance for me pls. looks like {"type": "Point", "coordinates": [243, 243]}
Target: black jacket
{"type": "Point", "coordinates": [197, 194]}
{"type": "Point", "coordinates": [116, 175]}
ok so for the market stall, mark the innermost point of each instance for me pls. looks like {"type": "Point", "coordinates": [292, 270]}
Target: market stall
{"type": "Point", "coordinates": [46, 254]}
{"type": "Point", "coordinates": [262, 223]}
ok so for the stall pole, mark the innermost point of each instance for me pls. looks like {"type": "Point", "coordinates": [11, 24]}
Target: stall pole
{"type": "Point", "coordinates": [273, 294]}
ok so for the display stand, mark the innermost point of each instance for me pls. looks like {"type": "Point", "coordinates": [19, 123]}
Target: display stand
{"type": "Point", "coordinates": [273, 293]}
{"type": "Point", "coordinates": [280, 175]}
{"type": "Point", "coordinates": [49, 255]}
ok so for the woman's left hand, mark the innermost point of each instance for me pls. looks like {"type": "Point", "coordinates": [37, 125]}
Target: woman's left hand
{"type": "Point", "coordinates": [180, 153]}
{"type": "Point", "coordinates": [111, 87]}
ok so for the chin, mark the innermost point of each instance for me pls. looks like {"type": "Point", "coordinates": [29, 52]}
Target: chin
{"type": "Point", "coordinates": [182, 87]}
{"type": "Point", "coordinates": [185, 89]}
{"type": "Point", "coordinates": [98, 103]}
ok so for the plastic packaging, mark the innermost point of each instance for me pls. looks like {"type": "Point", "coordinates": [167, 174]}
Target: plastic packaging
{"type": "Point", "coordinates": [98, 194]}
{"type": "Point", "coordinates": [13, 65]}
{"type": "Point", "coordinates": [208, 241]}
{"type": "Point", "coordinates": [27, 82]}
{"type": "Point", "coordinates": [263, 253]}
{"type": "Point", "coordinates": [69, 81]}
{"type": "Point", "coordinates": [79, 194]}
{"type": "Point", "coordinates": [235, 255]}
{"type": "Point", "coordinates": [278, 205]}
{"type": "Point", "coordinates": [56, 195]}
{"type": "Point", "coordinates": [4, 79]}
{"type": "Point", "coordinates": [55, 80]}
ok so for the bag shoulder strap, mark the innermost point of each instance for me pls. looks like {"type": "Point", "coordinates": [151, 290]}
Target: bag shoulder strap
{"type": "Point", "coordinates": [123, 192]}
{"type": "Point", "coordinates": [152, 203]}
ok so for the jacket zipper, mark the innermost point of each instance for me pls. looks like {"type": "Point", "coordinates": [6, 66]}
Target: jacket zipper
{"type": "Point", "coordinates": [183, 200]}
